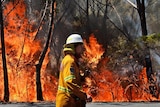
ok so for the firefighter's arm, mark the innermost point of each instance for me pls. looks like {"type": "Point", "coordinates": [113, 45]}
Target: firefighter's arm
{"type": "Point", "coordinates": [70, 80]}
{"type": "Point", "coordinates": [76, 89]}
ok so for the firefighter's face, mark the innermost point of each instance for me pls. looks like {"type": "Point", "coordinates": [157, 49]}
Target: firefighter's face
{"type": "Point", "coordinates": [79, 49]}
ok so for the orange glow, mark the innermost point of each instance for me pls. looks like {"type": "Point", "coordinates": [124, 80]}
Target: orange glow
{"type": "Point", "coordinates": [94, 51]}
{"type": "Point", "coordinates": [23, 52]}
{"type": "Point", "coordinates": [106, 86]}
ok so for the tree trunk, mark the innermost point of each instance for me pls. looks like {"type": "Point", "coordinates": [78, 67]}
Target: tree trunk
{"type": "Point", "coordinates": [6, 89]}
{"type": "Point", "coordinates": [149, 71]}
{"type": "Point", "coordinates": [141, 11]}
{"type": "Point", "coordinates": [39, 65]}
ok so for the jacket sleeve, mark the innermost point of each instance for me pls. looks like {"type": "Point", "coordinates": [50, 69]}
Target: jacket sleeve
{"type": "Point", "coordinates": [71, 82]}
{"type": "Point", "coordinates": [76, 90]}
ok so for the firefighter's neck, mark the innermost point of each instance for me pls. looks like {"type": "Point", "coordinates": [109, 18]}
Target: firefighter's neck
{"type": "Point", "coordinates": [77, 56]}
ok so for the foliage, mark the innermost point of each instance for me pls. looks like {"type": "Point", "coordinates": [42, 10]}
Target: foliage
{"type": "Point", "coordinates": [152, 40]}
{"type": "Point", "coordinates": [123, 52]}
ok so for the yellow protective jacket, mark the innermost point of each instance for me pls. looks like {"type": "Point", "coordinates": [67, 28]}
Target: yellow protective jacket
{"type": "Point", "coordinates": [70, 93]}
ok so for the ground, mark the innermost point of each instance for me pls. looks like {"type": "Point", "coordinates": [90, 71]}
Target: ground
{"type": "Point", "coordinates": [45, 104]}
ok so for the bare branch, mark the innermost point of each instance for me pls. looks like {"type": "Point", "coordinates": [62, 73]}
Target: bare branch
{"type": "Point", "coordinates": [135, 6]}
{"type": "Point", "coordinates": [42, 17]}
{"type": "Point", "coordinates": [11, 10]}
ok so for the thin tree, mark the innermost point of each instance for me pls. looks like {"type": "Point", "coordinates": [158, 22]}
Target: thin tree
{"type": "Point", "coordinates": [141, 12]}
{"type": "Point", "coordinates": [6, 89]}
{"type": "Point", "coordinates": [149, 71]}
{"type": "Point", "coordinates": [39, 65]}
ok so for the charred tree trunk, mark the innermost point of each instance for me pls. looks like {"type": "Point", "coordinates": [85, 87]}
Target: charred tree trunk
{"type": "Point", "coordinates": [39, 65]}
{"type": "Point", "coordinates": [141, 12]}
{"type": "Point", "coordinates": [38, 81]}
{"type": "Point", "coordinates": [149, 71]}
{"type": "Point", "coordinates": [6, 89]}
{"type": "Point", "coordinates": [148, 67]}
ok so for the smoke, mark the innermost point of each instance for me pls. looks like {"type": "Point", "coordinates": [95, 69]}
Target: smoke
{"type": "Point", "coordinates": [129, 70]}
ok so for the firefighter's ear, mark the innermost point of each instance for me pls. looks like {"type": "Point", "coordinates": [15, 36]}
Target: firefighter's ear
{"type": "Point", "coordinates": [72, 70]}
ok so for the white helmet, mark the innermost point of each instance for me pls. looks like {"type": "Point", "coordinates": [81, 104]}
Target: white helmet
{"type": "Point", "coordinates": [74, 38]}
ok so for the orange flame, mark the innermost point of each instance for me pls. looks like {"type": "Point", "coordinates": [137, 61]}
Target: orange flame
{"type": "Point", "coordinates": [93, 53]}
{"type": "Point", "coordinates": [22, 55]}
{"type": "Point", "coordinates": [106, 86]}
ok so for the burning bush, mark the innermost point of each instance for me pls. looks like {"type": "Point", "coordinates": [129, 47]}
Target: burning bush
{"type": "Point", "coordinates": [120, 76]}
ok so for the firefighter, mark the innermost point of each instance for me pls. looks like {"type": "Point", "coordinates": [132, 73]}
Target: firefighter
{"type": "Point", "coordinates": [70, 93]}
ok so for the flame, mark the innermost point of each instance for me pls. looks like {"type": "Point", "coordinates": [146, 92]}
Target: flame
{"type": "Point", "coordinates": [22, 53]}
{"type": "Point", "coordinates": [93, 52]}
{"type": "Point", "coordinates": [106, 86]}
